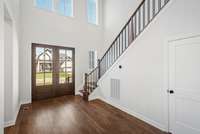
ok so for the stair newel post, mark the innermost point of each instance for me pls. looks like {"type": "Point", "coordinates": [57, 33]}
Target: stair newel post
{"type": "Point", "coordinates": [85, 85]}
{"type": "Point", "coordinates": [99, 68]}
{"type": "Point", "coordinates": [86, 92]}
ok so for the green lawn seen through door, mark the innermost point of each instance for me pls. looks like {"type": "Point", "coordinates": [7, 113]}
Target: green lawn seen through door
{"type": "Point", "coordinates": [48, 77]}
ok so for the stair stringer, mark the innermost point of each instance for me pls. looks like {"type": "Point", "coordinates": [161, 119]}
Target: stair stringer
{"type": "Point", "coordinates": [96, 94]}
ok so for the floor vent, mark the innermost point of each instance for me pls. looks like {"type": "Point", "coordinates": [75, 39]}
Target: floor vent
{"type": "Point", "coordinates": [25, 108]}
{"type": "Point", "coordinates": [115, 89]}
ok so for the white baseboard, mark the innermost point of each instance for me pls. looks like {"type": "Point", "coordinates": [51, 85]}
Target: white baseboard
{"type": "Point", "coordinates": [135, 114]}
{"type": "Point", "coordinates": [9, 123]}
{"type": "Point", "coordinates": [25, 102]}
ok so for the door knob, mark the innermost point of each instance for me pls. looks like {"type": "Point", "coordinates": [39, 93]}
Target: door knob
{"type": "Point", "coordinates": [170, 91]}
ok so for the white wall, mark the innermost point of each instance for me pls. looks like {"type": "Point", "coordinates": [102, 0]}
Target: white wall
{"type": "Point", "coordinates": [1, 67]}
{"type": "Point", "coordinates": [144, 70]}
{"type": "Point", "coordinates": [40, 26]}
{"type": "Point", "coordinates": [11, 57]}
{"type": "Point", "coordinates": [8, 72]}
{"type": "Point", "coordinates": [116, 14]}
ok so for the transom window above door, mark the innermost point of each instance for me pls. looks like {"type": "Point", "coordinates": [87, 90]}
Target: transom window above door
{"type": "Point", "coordinates": [92, 11]}
{"type": "Point", "coordinates": [66, 8]}
{"type": "Point", "coordinates": [62, 7]}
{"type": "Point", "coordinates": [44, 4]}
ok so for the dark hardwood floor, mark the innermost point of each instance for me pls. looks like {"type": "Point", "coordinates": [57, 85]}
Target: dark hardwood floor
{"type": "Point", "coordinates": [72, 115]}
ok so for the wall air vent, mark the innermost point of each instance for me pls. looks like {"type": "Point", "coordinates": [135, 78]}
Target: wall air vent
{"type": "Point", "coordinates": [115, 89]}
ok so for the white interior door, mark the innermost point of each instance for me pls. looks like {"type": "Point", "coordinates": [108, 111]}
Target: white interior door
{"type": "Point", "coordinates": [184, 81]}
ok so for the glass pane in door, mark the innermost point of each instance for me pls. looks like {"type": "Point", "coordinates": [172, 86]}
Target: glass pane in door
{"type": "Point", "coordinates": [48, 78]}
{"type": "Point", "coordinates": [62, 66]}
{"type": "Point", "coordinates": [65, 74]}
{"type": "Point", "coordinates": [69, 66]}
{"type": "Point", "coordinates": [48, 66]}
{"type": "Point", "coordinates": [44, 69]}
{"type": "Point", "coordinates": [39, 61]}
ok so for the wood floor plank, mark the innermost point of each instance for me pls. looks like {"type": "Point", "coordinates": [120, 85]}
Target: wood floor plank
{"type": "Point", "coordinates": [72, 115]}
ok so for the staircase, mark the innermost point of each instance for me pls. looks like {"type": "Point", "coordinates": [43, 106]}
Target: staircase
{"type": "Point", "coordinates": [141, 18]}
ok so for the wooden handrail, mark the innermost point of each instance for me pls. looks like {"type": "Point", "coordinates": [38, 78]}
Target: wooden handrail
{"type": "Point", "coordinates": [139, 20]}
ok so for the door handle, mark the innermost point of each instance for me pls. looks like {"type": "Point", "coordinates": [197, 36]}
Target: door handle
{"type": "Point", "coordinates": [170, 91]}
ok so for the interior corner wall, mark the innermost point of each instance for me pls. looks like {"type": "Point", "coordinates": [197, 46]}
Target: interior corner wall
{"type": "Point", "coordinates": [11, 59]}
{"type": "Point", "coordinates": [8, 72]}
{"type": "Point", "coordinates": [47, 27]}
{"type": "Point", "coordinates": [143, 74]}
{"type": "Point", "coordinates": [1, 67]}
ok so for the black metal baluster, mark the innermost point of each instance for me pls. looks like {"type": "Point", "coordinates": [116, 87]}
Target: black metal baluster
{"type": "Point", "coordinates": [92, 79]}
{"type": "Point", "coordinates": [144, 15]}
{"type": "Point", "coordinates": [153, 10]}
{"type": "Point", "coordinates": [119, 44]}
{"type": "Point", "coordinates": [100, 68]}
{"type": "Point", "coordinates": [131, 31]}
{"type": "Point", "coordinates": [113, 52]}
{"type": "Point", "coordinates": [148, 7]}
{"type": "Point", "coordinates": [122, 35]}
{"type": "Point", "coordinates": [166, 1]}
{"type": "Point", "coordinates": [116, 51]}
{"type": "Point", "coordinates": [107, 61]}
{"type": "Point", "coordinates": [125, 38]}
{"type": "Point", "coordinates": [139, 20]}
{"type": "Point", "coordinates": [134, 29]}
{"type": "Point", "coordinates": [159, 5]}
{"type": "Point", "coordinates": [111, 56]}
{"type": "Point", "coordinates": [90, 83]}
{"type": "Point", "coordinates": [103, 66]}
{"type": "Point", "coordinates": [135, 26]}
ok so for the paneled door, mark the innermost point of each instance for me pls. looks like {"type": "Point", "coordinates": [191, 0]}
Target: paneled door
{"type": "Point", "coordinates": [53, 71]}
{"type": "Point", "coordinates": [184, 82]}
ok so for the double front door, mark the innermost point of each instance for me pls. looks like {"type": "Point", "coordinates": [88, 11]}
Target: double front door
{"type": "Point", "coordinates": [53, 71]}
